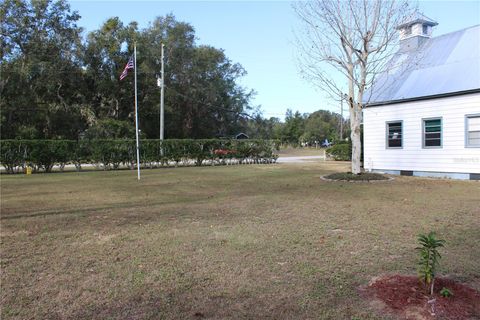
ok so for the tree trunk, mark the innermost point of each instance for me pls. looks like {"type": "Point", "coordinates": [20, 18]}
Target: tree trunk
{"type": "Point", "coordinates": [355, 120]}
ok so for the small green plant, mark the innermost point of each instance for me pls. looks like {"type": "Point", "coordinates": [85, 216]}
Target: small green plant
{"type": "Point", "coordinates": [429, 258]}
{"type": "Point", "coordinates": [446, 293]}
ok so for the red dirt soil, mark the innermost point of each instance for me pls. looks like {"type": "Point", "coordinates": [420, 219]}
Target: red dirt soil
{"type": "Point", "coordinates": [407, 298]}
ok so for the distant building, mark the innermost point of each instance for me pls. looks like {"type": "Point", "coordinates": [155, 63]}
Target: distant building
{"type": "Point", "coordinates": [422, 116]}
{"type": "Point", "coordinates": [241, 136]}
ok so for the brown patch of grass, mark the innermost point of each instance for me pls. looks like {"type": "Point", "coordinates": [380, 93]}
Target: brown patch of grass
{"type": "Point", "coordinates": [224, 242]}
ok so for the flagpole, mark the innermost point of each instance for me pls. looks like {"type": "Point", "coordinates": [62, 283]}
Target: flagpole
{"type": "Point", "coordinates": [136, 110]}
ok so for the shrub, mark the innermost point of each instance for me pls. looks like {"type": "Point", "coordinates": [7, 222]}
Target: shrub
{"type": "Point", "coordinates": [12, 155]}
{"type": "Point", "coordinates": [44, 154]}
{"type": "Point", "coordinates": [340, 152]}
{"type": "Point", "coordinates": [112, 152]}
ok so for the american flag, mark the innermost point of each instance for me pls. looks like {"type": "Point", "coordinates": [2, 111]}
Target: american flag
{"type": "Point", "coordinates": [128, 66]}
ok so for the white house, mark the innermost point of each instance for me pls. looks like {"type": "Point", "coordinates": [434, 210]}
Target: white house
{"type": "Point", "coordinates": [423, 115]}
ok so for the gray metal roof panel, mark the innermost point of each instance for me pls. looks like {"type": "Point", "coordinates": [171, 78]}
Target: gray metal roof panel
{"type": "Point", "coordinates": [444, 64]}
{"type": "Point", "coordinates": [416, 18]}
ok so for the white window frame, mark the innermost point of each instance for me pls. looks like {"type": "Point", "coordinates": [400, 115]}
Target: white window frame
{"type": "Point", "coordinates": [468, 116]}
{"type": "Point", "coordinates": [387, 132]}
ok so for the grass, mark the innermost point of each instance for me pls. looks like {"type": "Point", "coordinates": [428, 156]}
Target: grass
{"type": "Point", "coordinates": [232, 242]}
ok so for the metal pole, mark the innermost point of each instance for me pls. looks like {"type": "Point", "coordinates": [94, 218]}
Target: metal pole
{"type": "Point", "coordinates": [136, 110]}
{"type": "Point", "coordinates": [162, 97]}
{"type": "Point", "coordinates": [160, 117]}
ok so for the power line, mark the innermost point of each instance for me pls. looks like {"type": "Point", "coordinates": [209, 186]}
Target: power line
{"type": "Point", "coordinates": [210, 105]}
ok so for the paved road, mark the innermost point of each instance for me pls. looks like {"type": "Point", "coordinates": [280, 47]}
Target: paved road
{"type": "Point", "coordinates": [299, 159]}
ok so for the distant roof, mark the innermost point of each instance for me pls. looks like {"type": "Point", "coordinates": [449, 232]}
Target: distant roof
{"type": "Point", "coordinates": [417, 17]}
{"type": "Point", "coordinates": [446, 64]}
{"type": "Point", "coordinates": [241, 135]}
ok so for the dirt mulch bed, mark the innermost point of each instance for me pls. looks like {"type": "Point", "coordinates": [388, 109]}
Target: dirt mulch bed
{"type": "Point", "coordinates": [406, 298]}
{"type": "Point", "coordinates": [362, 177]}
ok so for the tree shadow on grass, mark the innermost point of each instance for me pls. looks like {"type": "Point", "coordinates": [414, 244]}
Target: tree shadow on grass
{"type": "Point", "coordinates": [195, 303]}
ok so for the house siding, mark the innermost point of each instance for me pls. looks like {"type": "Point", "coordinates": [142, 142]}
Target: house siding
{"type": "Point", "coordinates": [452, 157]}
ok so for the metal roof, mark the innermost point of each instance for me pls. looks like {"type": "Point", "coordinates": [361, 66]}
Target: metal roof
{"type": "Point", "coordinates": [417, 17]}
{"type": "Point", "coordinates": [442, 65]}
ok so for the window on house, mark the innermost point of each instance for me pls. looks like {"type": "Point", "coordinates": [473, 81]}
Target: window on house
{"type": "Point", "coordinates": [394, 134]}
{"type": "Point", "coordinates": [425, 29]}
{"type": "Point", "coordinates": [473, 131]}
{"type": "Point", "coordinates": [408, 30]}
{"type": "Point", "coordinates": [432, 133]}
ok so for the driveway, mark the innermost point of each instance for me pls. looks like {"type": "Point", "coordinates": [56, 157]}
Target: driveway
{"type": "Point", "coordinates": [299, 159]}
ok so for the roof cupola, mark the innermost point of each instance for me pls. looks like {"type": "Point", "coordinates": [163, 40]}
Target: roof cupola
{"type": "Point", "coordinates": [414, 31]}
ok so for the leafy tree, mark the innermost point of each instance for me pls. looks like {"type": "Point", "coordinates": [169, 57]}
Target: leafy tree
{"type": "Point", "coordinates": [294, 127]}
{"type": "Point", "coordinates": [111, 129]}
{"type": "Point", "coordinates": [213, 104]}
{"type": "Point", "coordinates": [202, 98]}
{"type": "Point", "coordinates": [55, 86]}
{"type": "Point", "coordinates": [104, 61]}
{"type": "Point", "coordinates": [317, 126]}
{"type": "Point", "coordinates": [321, 125]}
{"type": "Point", "coordinates": [258, 127]}
{"type": "Point", "coordinates": [41, 69]}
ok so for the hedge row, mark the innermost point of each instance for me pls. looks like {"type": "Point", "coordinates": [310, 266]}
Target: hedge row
{"type": "Point", "coordinates": [15, 155]}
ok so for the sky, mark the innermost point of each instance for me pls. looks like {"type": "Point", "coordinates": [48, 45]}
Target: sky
{"type": "Point", "coordinates": [260, 36]}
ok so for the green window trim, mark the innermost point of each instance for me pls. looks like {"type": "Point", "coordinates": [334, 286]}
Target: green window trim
{"type": "Point", "coordinates": [432, 133]}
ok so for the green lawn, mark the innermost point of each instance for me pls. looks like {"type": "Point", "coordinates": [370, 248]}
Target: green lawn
{"type": "Point", "coordinates": [232, 242]}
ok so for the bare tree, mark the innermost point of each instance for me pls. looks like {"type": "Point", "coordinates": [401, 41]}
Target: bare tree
{"type": "Point", "coordinates": [343, 45]}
